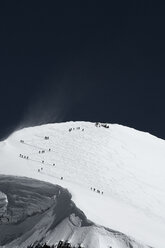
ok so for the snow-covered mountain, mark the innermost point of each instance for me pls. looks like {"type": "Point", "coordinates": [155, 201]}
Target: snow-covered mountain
{"type": "Point", "coordinates": [115, 176]}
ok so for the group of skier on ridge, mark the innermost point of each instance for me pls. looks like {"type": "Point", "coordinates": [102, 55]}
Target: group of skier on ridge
{"type": "Point", "coordinates": [97, 124]}
{"type": "Point", "coordinates": [97, 191]}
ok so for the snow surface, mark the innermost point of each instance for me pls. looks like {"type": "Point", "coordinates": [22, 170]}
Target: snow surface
{"type": "Point", "coordinates": [127, 165]}
{"type": "Point", "coordinates": [43, 212]}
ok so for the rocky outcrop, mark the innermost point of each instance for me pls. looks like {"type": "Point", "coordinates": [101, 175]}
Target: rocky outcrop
{"type": "Point", "coordinates": [3, 204]}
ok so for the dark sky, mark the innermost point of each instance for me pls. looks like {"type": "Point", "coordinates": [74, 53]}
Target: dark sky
{"type": "Point", "coordinates": [82, 60]}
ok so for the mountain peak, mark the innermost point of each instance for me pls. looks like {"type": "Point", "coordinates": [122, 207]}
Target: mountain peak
{"type": "Point", "coordinates": [118, 170]}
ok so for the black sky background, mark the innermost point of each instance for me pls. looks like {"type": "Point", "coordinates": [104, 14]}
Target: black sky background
{"type": "Point", "coordinates": [76, 60]}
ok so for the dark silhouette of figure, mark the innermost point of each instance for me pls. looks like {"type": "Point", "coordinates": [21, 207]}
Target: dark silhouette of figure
{"type": "Point", "coordinates": [105, 125]}
{"type": "Point", "coordinates": [97, 124]}
{"type": "Point", "coordinates": [79, 246]}
{"type": "Point", "coordinates": [66, 245]}
{"type": "Point", "coordinates": [60, 244]}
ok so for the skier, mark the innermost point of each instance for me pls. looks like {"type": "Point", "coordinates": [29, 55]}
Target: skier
{"type": "Point", "coordinates": [46, 137]}
{"type": "Point", "coordinates": [60, 244]}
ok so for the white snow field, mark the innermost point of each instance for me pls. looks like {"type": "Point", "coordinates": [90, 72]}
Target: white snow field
{"type": "Point", "coordinates": [127, 165]}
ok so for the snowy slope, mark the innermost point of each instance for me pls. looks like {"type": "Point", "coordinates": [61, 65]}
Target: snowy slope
{"type": "Point", "coordinates": [42, 212]}
{"type": "Point", "coordinates": [128, 166]}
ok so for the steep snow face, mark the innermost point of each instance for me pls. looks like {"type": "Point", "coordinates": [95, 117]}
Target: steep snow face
{"type": "Point", "coordinates": [123, 163]}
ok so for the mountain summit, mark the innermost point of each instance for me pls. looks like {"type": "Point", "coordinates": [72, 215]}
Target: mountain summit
{"type": "Point", "coordinates": [115, 175]}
